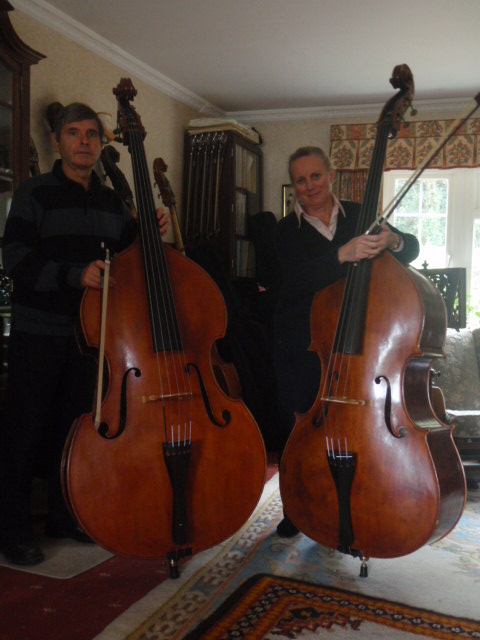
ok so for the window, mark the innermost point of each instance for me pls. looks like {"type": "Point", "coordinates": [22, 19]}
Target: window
{"type": "Point", "coordinates": [443, 210]}
{"type": "Point", "coordinates": [423, 212]}
{"type": "Point", "coordinates": [473, 305]}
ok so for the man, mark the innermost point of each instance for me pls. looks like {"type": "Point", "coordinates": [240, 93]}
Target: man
{"type": "Point", "coordinates": [52, 250]}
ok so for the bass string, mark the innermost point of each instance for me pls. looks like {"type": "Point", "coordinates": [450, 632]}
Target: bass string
{"type": "Point", "coordinates": [336, 380]}
{"type": "Point", "coordinates": [174, 384]}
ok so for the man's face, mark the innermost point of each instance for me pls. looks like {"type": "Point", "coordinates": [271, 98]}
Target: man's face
{"type": "Point", "coordinates": [79, 146]}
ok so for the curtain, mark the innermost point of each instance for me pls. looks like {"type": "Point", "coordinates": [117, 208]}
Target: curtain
{"type": "Point", "coordinates": [351, 148]}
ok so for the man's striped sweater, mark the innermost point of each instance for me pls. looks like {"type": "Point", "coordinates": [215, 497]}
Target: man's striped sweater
{"type": "Point", "coordinates": [54, 230]}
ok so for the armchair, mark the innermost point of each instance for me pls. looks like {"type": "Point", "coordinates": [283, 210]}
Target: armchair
{"type": "Point", "coordinates": [459, 380]}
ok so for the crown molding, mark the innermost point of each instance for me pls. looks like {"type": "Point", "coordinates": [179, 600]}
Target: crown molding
{"type": "Point", "coordinates": [62, 23]}
{"type": "Point", "coordinates": [342, 111]}
{"type": "Point", "coordinates": [59, 21]}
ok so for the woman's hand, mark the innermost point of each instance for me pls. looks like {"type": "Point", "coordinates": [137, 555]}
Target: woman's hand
{"type": "Point", "coordinates": [368, 246]}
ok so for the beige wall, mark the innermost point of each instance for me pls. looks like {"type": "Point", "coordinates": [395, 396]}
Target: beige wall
{"type": "Point", "coordinates": [71, 73]}
{"type": "Point", "coordinates": [281, 138]}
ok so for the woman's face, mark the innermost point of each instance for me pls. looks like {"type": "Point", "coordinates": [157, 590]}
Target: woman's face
{"type": "Point", "coordinates": [312, 182]}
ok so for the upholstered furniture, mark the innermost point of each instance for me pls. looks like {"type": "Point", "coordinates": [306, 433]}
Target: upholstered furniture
{"type": "Point", "coordinates": [459, 380]}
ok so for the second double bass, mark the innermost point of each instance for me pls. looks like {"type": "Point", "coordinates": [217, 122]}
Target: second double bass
{"type": "Point", "coordinates": [175, 466]}
{"type": "Point", "coordinates": [369, 469]}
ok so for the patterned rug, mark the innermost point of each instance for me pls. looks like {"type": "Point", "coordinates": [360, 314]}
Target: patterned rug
{"type": "Point", "coordinates": [270, 607]}
{"type": "Point", "coordinates": [443, 577]}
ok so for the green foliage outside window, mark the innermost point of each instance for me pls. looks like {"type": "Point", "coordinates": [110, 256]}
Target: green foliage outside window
{"type": "Point", "coordinates": [423, 212]}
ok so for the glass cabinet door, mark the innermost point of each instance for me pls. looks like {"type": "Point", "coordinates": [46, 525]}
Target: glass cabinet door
{"type": "Point", "coordinates": [16, 59]}
{"type": "Point", "coordinates": [6, 143]}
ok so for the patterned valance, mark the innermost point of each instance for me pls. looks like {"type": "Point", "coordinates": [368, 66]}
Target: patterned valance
{"type": "Point", "coordinates": [351, 145]}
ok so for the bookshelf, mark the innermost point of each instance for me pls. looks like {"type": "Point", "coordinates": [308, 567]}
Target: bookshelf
{"type": "Point", "coordinates": [222, 190]}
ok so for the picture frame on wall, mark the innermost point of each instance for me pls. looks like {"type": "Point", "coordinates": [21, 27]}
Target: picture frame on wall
{"type": "Point", "coordinates": [288, 198]}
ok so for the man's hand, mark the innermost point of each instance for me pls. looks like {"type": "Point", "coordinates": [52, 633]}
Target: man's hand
{"type": "Point", "coordinates": [163, 217]}
{"type": "Point", "coordinates": [92, 275]}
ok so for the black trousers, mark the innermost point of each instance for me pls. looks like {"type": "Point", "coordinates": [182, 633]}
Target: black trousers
{"type": "Point", "coordinates": [50, 383]}
{"type": "Point", "coordinates": [298, 381]}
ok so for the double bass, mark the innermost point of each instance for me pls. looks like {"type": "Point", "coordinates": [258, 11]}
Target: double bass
{"type": "Point", "coordinates": [174, 465]}
{"type": "Point", "coordinates": [225, 372]}
{"type": "Point", "coordinates": [369, 469]}
{"type": "Point", "coordinates": [110, 158]}
{"type": "Point", "coordinates": [168, 199]}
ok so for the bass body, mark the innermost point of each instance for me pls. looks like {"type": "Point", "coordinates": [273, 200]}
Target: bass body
{"type": "Point", "coordinates": [369, 469]}
{"type": "Point", "coordinates": [130, 489]}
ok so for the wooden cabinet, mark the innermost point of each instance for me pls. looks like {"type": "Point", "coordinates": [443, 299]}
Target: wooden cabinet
{"type": "Point", "coordinates": [223, 188]}
{"type": "Point", "coordinates": [15, 61]}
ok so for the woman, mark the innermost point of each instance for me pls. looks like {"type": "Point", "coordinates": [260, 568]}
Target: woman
{"type": "Point", "coordinates": [315, 244]}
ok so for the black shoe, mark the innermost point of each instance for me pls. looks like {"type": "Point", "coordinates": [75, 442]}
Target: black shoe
{"type": "Point", "coordinates": [24, 553]}
{"type": "Point", "coordinates": [286, 528]}
{"type": "Point", "coordinates": [71, 531]}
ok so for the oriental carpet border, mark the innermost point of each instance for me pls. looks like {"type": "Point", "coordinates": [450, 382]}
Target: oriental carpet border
{"type": "Point", "coordinates": [266, 606]}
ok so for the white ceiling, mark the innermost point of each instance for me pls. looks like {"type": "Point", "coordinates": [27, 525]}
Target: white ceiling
{"type": "Point", "coordinates": [262, 55]}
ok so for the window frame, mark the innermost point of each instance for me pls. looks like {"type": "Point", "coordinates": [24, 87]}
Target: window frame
{"type": "Point", "coordinates": [463, 209]}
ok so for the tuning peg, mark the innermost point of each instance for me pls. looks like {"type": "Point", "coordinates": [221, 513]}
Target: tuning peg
{"type": "Point", "coordinates": [118, 135]}
{"type": "Point", "coordinates": [413, 111]}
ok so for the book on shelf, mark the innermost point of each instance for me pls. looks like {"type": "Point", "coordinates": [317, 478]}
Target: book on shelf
{"type": "Point", "coordinates": [245, 169]}
{"type": "Point", "coordinates": [245, 258]}
{"type": "Point", "coordinates": [240, 213]}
